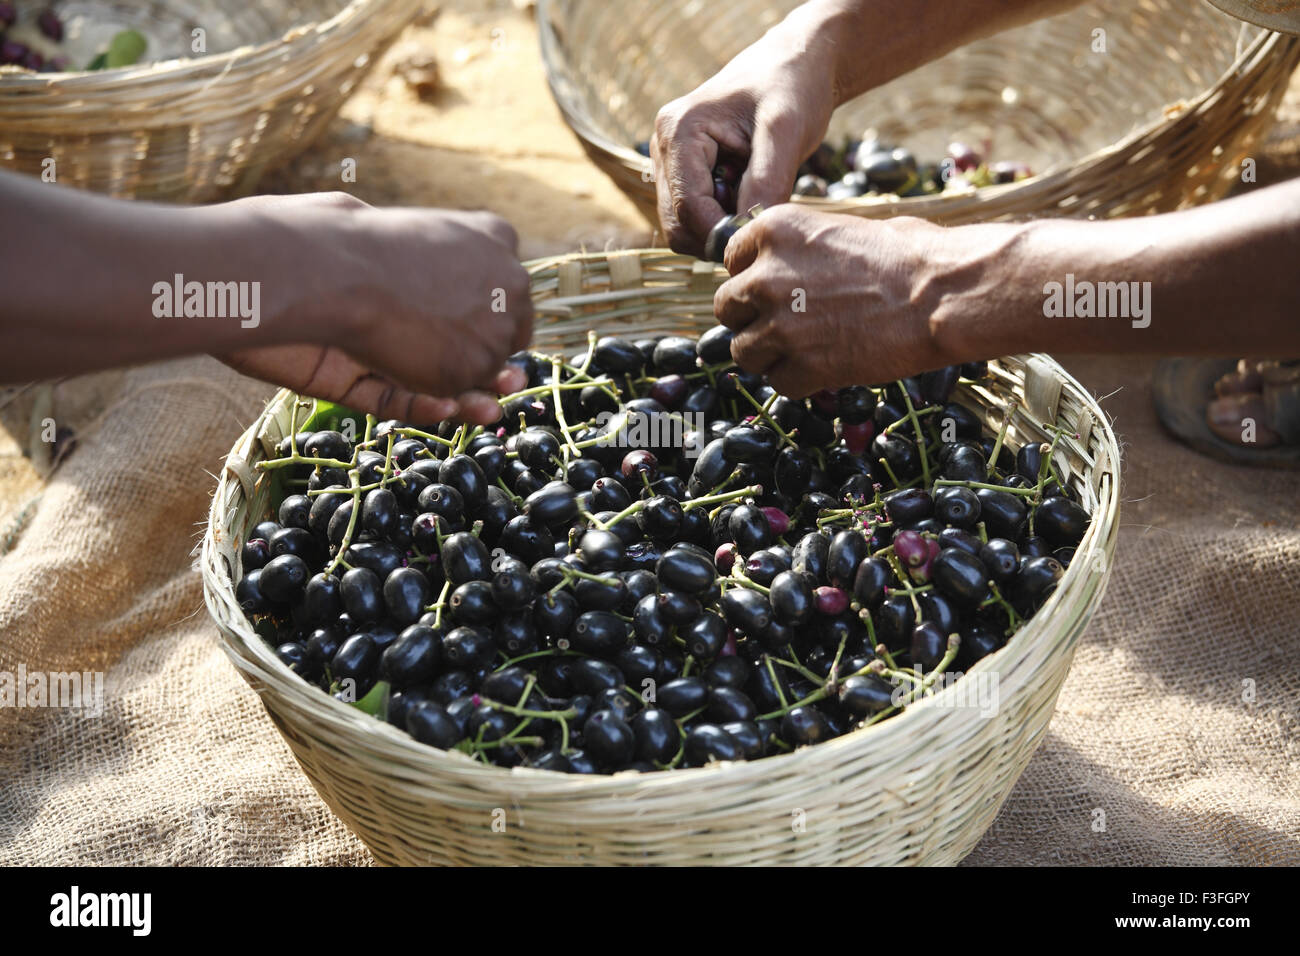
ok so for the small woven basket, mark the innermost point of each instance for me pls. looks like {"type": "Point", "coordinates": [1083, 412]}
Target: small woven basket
{"type": "Point", "coordinates": [1162, 119]}
{"type": "Point", "coordinates": [199, 129]}
{"type": "Point", "coordinates": [918, 788]}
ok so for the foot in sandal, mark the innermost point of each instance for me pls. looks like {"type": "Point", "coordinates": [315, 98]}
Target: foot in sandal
{"type": "Point", "coordinates": [1258, 404]}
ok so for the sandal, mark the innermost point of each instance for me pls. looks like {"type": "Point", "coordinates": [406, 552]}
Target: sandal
{"type": "Point", "coordinates": [1245, 413]}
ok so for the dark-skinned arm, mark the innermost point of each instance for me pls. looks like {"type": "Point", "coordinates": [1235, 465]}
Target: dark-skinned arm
{"type": "Point", "coordinates": [822, 301]}
{"type": "Point", "coordinates": [771, 105]}
{"type": "Point", "coordinates": [390, 311]}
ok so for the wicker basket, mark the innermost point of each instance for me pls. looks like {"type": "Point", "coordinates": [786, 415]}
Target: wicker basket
{"type": "Point", "coordinates": [919, 788]}
{"type": "Point", "coordinates": [1160, 121]}
{"type": "Point", "coordinates": [194, 130]}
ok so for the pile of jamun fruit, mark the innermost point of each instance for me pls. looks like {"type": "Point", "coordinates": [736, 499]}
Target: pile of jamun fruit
{"type": "Point", "coordinates": [654, 560]}
{"type": "Point", "coordinates": [870, 167]}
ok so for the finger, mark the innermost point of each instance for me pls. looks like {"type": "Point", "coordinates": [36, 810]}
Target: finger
{"type": "Point", "coordinates": [754, 349]}
{"type": "Point", "coordinates": [479, 408]}
{"type": "Point", "coordinates": [427, 410]}
{"type": "Point", "coordinates": [509, 380]}
{"type": "Point", "coordinates": [384, 398]}
{"type": "Point", "coordinates": [773, 163]}
{"type": "Point", "coordinates": [743, 248]}
{"type": "Point", "coordinates": [733, 305]}
{"type": "Point", "coordinates": [684, 188]}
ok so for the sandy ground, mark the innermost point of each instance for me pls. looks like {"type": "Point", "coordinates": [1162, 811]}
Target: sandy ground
{"type": "Point", "coordinates": [490, 137]}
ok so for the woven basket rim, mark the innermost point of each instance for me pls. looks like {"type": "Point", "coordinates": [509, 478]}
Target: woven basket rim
{"type": "Point", "coordinates": [555, 65]}
{"type": "Point", "coordinates": [254, 657]}
{"type": "Point", "coordinates": [16, 80]}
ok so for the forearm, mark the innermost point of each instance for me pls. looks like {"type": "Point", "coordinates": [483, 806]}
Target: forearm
{"type": "Point", "coordinates": [82, 289]}
{"type": "Point", "coordinates": [870, 42]}
{"type": "Point", "coordinates": [1217, 280]}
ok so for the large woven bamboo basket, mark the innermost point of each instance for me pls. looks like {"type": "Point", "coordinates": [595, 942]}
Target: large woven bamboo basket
{"type": "Point", "coordinates": [1162, 119]}
{"type": "Point", "coordinates": [185, 127]}
{"type": "Point", "coordinates": [919, 788]}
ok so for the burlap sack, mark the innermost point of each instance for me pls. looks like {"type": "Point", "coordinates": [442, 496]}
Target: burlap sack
{"type": "Point", "coordinates": [1174, 741]}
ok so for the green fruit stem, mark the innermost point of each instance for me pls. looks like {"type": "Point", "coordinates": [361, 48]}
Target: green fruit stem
{"type": "Point", "coordinates": [890, 472]}
{"type": "Point", "coordinates": [740, 579]}
{"type": "Point", "coordinates": [762, 409]}
{"type": "Point", "coordinates": [913, 417]}
{"type": "Point", "coordinates": [951, 482]}
{"type": "Point", "coordinates": [354, 483]}
{"type": "Point", "coordinates": [516, 711]}
{"type": "Point", "coordinates": [477, 746]}
{"type": "Point", "coordinates": [902, 576]}
{"type": "Point", "coordinates": [767, 662]}
{"type": "Point", "coordinates": [638, 506]}
{"type": "Point", "coordinates": [920, 436]}
{"type": "Point", "coordinates": [954, 645]}
{"type": "Point", "coordinates": [501, 483]}
{"type": "Point", "coordinates": [991, 465]}
{"type": "Point", "coordinates": [569, 446]}
{"type": "Point", "coordinates": [811, 675]}
{"type": "Point", "coordinates": [423, 436]}
{"type": "Point", "coordinates": [1014, 619]}
{"type": "Point", "coordinates": [437, 606]}
{"type": "Point", "coordinates": [548, 652]}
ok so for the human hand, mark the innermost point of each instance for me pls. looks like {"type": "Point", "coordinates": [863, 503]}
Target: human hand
{"type": "Point", "coordinates": [391, 311]}
{"type": "Point", "coordinates": [824, 301]}
{"type": "Point", "coordinates": [768, 109]}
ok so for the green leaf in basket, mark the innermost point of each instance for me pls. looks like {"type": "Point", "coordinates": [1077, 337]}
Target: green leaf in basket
{"type": "Point", "coordinates": [126, 48]}
{"type": "Point", "coordinates": [334, 417]}
{"type": "Point", "coordinates": [98, 63]}
{"type": "Point", "coordinates": [325, 415]}
{"type": "Point", "coordinates": [375, 703]}
{"type": "Point", "coordinates": [278, 491]}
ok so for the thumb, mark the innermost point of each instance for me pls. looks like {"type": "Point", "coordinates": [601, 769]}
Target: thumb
{"type": "Point", "coordinates": [774, 160]}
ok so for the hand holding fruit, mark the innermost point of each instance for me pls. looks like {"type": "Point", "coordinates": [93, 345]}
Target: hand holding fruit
{"type": "Point", "coordinates": [396, 307]}
{"type": "Point", "coordinates": [821, 301]}
{"type": "Point", "coordinates": [765, 112]}
{"type": "Point", "coordinates": [393, 312]}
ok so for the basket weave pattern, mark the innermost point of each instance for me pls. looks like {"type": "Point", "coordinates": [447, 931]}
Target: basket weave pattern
{"type": "Point", "coordinates": [196, 130]}
{"type": "Point", "coordinates": [1161, 120]}
{"type": "Point", "coordinates": [919, 788]}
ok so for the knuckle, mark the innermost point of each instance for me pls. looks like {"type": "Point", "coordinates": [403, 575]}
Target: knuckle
{"type": "Point", "coordinates": [781, 334]}
{"type": "Point", "coordinates": [668, 118]}
{"type": "Point", "coordinates": [337, 199]}
{"type": "Point", "coordinates": [722, 299]}
{"type": "Point", "coordinates": [764, 229]}
{"type": "Point", "coordinates": [740, 350]}
{"type": "Point", "coordinates": [762, 287]}
{"type": "Point", "coordinates": [782, 222]}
